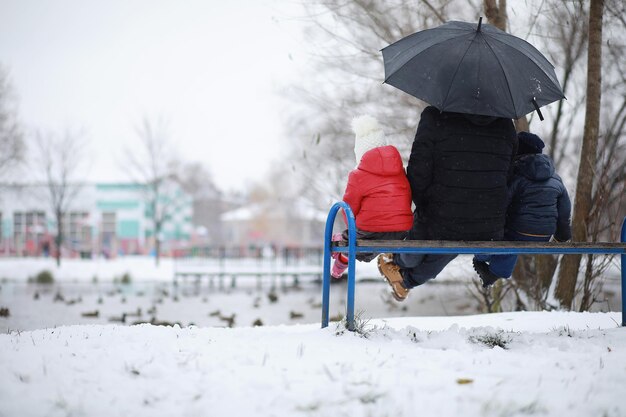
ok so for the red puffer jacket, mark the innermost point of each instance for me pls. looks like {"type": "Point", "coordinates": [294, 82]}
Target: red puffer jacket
{"type": "Point", "coordinates": [378, 192]}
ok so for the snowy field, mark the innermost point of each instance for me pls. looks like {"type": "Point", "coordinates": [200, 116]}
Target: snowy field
{"type": "Point", "coordinates": [509, 364]}
{"type": "Point", "coordinates": [431, 356]}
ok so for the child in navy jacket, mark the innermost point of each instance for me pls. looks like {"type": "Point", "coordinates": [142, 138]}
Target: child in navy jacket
{"type": "Point", "coordinates": [539, 207]}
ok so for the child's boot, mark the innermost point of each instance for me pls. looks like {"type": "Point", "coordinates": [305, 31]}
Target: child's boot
{"type": "Point", "coordinates": [339, 266]}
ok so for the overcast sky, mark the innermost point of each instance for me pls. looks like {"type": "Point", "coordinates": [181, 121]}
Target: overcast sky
{"type": "Point", "coordinates": [211, 68]}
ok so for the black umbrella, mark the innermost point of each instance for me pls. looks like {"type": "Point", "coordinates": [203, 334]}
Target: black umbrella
{"type": "Point", "coordinates": [472, 68]}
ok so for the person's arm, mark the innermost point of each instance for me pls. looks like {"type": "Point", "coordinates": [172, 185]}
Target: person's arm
{"type": "Point", "coordinates": [515, 142]}
{"type": "Point", "coordinates": [512, 190]}
{"type": "Point", "coordinates": [420, 166]}
{"type": "Point", "coordinates": [563, 224]}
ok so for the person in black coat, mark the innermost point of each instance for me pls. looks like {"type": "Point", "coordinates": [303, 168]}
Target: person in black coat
{"type": "Point", "coordinates": [539, 207]}
{"type": "Point", "coordinates": [458, 172]}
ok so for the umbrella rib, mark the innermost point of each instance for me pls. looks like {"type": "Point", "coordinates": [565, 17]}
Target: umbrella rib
{"type": "Point", "coordinates": [508, 86]}
{"type": "Point", "coordinates": [421, 52]}
{"type": "Point", "coordinates": [443, 103]}
{"type": "Point", "coordinates": [534, 60]}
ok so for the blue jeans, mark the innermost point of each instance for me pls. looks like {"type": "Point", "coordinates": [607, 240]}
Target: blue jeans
{"type": "Point", "coordinates": [417, 268]}
{"type": "Point", "coordinates": [503, 265]}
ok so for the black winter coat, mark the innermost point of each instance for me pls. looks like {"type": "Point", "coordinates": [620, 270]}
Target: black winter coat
{"type": "Point", "coordinates": [539, 202]}
{"type": "Point", "coordinates": [458, 171]}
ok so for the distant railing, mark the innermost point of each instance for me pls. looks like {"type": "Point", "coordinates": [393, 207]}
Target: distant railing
{"type": "Point", "coordinates": [218, 263]}
{"type": "Point", "coordinates": [289, 255]}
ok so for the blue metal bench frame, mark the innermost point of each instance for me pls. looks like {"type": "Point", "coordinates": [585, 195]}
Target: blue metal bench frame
{"type": "Point", "coordinates": [353, 247]}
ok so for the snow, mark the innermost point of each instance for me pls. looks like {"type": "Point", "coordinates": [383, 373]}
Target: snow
{"type": "Point", "coordinates": [399, 363]}
{"type": "Point", "coordinates": [552, 364]}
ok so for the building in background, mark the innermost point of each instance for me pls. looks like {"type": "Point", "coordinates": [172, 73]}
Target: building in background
{"type": "Point", "coordinates": [287, 226]}
{"type": "Point", "coordinates": [106, 219]}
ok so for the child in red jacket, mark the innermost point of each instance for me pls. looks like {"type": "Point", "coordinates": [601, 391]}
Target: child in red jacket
{"type": "Point", "coordinates": [378, 191]}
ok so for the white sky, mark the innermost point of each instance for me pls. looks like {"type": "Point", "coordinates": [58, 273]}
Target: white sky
{"type": "Point", "coordinates": [211, 69]}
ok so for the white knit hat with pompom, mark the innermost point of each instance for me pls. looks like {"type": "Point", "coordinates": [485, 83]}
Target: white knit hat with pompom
{"type": "Point", "coordinates": [368, 135]}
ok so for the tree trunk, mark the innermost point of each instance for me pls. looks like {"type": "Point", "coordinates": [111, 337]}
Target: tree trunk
{"type": "Point", "coordinates": [566, 283]}
{"type": "Point", "coordinates": [546, 265]}
{"type": "Point", "coordinates": [497, 16]}
{"type": "Point", "coordinates": [496, 13]}
{"type": "Point", "coordinates": [157, 247]}
{"type": "Point", "coordinates": [587, 298]}
{"type": "Point", "coordinates": [157, 243]}
{"type": "Point", "coordinates": [521, 124]}
{"type": "Point", "coordinates": [58, 239]}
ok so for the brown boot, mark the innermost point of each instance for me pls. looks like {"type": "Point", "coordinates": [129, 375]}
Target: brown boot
{"type": "Point", "coordinates": [392, 275]}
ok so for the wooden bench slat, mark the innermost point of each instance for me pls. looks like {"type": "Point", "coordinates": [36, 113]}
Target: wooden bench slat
{"type": "Point", "coordinates": [248, 274]}
{"type": "Point", "coordinates": [481, 244]}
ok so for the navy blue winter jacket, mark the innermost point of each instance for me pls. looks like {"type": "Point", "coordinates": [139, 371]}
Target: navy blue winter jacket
{"type": "Point", "coordinates": [539, 202]}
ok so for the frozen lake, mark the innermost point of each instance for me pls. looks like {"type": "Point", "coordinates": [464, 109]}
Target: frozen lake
{"type": "Point", "coordinates": [91, 293]}
{"type": "Point", "coordinates": [33, 306]}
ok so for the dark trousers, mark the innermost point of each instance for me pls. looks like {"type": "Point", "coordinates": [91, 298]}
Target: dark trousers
{"type": "Point", "coordinates": [417, 268]}
{"type": "Point", "coordinates": [503, 265]}
{"type": "Point", "coordinates": [362, 234]}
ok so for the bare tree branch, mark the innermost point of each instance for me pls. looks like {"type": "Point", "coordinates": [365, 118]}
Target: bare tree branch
{"type": "Point", "coordinates": [59, 159]}
{"type": "Point", "coordinates": [12, 146]}
{"type": "Point", "coordinates": [152, 164]}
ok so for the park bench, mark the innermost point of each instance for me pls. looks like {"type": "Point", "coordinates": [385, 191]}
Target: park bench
{"type": "Point", "coordinates": [354, 246]}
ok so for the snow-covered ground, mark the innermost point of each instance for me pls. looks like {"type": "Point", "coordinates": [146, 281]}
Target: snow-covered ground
{"type": "Point", "coordinates": [141, 268]}
{"type": "Point", "coordinates": [509, 364]}
{"type": "Point", "coordinates": [431, 355]}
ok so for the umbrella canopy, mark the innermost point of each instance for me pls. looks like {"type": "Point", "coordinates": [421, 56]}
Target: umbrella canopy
{"type": "Point", "coordinates": [472, 68]}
